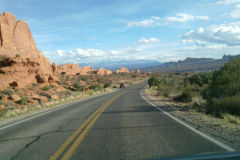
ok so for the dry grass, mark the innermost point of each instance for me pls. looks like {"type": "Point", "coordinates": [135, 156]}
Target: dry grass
{"type": "Point", "coordinates": [52, 104]}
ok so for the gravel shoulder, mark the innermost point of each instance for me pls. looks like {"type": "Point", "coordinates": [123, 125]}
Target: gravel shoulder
{"type": "Point", "coordinates": [226, 130]}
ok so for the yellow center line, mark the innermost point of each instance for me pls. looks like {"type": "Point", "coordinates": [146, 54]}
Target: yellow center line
{"type": "Point", "coordinates": [74, 146]}
{"type": "Point", "coordinates": [74, 135]}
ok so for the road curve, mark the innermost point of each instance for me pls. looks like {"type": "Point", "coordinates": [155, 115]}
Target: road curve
{"type": "Point", "coordinates": [120, 125]}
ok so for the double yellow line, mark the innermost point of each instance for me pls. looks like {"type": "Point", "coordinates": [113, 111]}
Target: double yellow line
{"type": "Point", "coordinates": [84, 128]}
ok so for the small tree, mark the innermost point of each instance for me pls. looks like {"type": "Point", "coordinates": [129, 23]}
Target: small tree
{"type": "Point", "coordinates": [153, 81]}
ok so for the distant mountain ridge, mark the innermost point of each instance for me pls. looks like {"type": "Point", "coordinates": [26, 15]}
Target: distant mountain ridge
{"type": "Point", "coordinates": [115, 65]}
{"type": "Point", "coordinates": [191, 65]}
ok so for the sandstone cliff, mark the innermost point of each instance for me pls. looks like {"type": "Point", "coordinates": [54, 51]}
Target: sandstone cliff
{"type": "Point", "coordinates": [21, 63]}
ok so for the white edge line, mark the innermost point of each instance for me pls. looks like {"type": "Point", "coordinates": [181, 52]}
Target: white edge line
{"type": "Point", "coordinates": [52, 110]}
{"type": "Point", "coordinates": [220, 144]}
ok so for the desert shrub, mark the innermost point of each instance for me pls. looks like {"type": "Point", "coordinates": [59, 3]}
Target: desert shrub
{"type": "Point", "coordinates": [23, 101]}
{"type": "Point", "coordinates": [10, 106]}
{"type": "Point", "coordinates": [46, 88]}
{"type": "Point", "coordinates": [40, 102]}
{"type": "Point", "coordinates": [84, 78]}
{"type": "Point", "coordinates": [133, 75]}
{"type": "Point", "coordinates": [153, 81]}
{"type": "Point", "coordinates": [3, 56]}
{"type": "Point", "coordinates": [8, 92]}
{"type": "Point", "coordinates": [35, 85]}
{"type": "Point", "coordinates": [96, 87]}
{"type": "Point", "coordinates": [185, 97]}
{"type": "Point", "coordinates": [100, 80]}
{"type": "Point", "coordinates": [18, 55]}
{"type": "Point", "coordinates": [106, 85]}
{"type": "Point", "coordinates": [225, 105]}
{"type": "Point", "coordinates": [198, 79]}
{"type": "Point", "coordinates": [78, 87]}
{"type": "Point", "coordinates": [163, 90]}
{"type": "Point", "coordinates": [226, 81]}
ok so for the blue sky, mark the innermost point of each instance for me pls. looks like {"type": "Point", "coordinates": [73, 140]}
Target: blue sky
{"type": "Point", "coordinates": [87, 31]}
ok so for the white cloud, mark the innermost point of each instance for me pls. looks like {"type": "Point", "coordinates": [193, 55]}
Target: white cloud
{"type": "Point", "coordinates": [154, 20]}
{"type": "Point", "coordinates": [228, 34]}
{"type": "Point", "coordinates": [183, 17]}
{"type": "Point", "coordinates": [60, 52]}
{"type": "Point", "coordinates": [147, 41]}
{"type": "Point", "coordinates": [235, 13]}
{"type": "Point", "coordinates": [225, 2]}
{"type": "Point", "coordinates": [144, 23]}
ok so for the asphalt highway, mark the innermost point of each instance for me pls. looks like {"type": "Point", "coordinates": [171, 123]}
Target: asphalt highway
{"type": "Point", "coordinates": [120, 125]}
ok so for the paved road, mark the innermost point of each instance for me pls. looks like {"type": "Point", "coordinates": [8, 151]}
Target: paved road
{"type": "Point", "coordinates": [120, 125]}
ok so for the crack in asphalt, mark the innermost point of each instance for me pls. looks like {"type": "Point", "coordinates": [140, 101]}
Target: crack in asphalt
{"type": "Point", "coordinates": [36, 138]}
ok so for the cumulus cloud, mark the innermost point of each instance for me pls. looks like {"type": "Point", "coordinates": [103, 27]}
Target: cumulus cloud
{"type": "Point", "coordinates": [225, 2]}
{"type": "Point", "coordinates": [228, 34]}
{"type": "Point", "coordinates": [183, 17]}
{"type": "Point", "coordinates": [144, 23]}
{"type": "Point", "coordinates": [147, 41]}
{"type": "Point", "coordinates": [135, 51]}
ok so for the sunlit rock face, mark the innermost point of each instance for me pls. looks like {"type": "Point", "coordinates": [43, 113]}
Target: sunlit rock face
{"type": "Point", "coordinates": [21, 63]}
{"type": "Point", "coordinates": [123, 70]}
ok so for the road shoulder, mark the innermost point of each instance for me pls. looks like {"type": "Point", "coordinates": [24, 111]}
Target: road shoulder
{"type": "Point", "coordinates": [214, 127]}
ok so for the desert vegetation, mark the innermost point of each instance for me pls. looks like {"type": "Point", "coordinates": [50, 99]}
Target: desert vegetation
{"type": "Point", "coordinates": [216, 93]}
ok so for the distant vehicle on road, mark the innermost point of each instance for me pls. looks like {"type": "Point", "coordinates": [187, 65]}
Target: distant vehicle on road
{"type": "Point", "coordinates": [122, 85]}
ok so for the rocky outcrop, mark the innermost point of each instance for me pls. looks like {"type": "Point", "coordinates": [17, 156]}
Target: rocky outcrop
{"type": "Point", "coordinates": [103, 71]}
{"type": "Point", "coordinates": [123, 70]}
{"type": "Point", "coordinates": [85, 70]}
{"type": "Point", "coordinates": [21, 63]}
{"type": "Point", "coordinates": [70, 69]}
{"type": "Point", "coordinates": [138, 70]}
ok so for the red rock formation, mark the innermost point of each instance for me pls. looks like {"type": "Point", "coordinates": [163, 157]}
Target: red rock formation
{"type": "Point", "coordinates": [68, 69]}
{"type": "Point", "coordinates": [103, 71]}
{"type": "Point", "coordinates": [138, 70]}
{"type": "Point", "coordinates": [108, 72]}
{"type": "Point", "coordinates": [85, 70]}
{"type": "Point", "coordinates": [21, 63]}
{"type": "Point", "coordinates": [124, 70]}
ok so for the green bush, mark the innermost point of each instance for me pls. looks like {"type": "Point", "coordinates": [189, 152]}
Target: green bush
{"type": "Point", "coordinates": [18, 55]}
{"type": "Point", "coordinates": [23, 101]}
{"type": "Point", "coordinates": [78, 87]}
{"type": "Point", "coordinates": [10, 106]}
{"type": "Point", "coordinates": [163, 90]}
{"type": "Point", "coordinates": [199, 79]}
{"type": "Point", "coordinates": [185, 97]}
{"type": "Point", "coordinates": [153, 81]}
{"type": "Point", "coordinates": [8, 92]}
{"type": "Point", "coordinates": [226, 81]}
{"type": "Point", "coordinates": [84, 78]}
{"type": "Point", "coordinates": [46, 88]}
{"type": "Point", "coordinates": [225, 105]}
{"type": "Point", "coordinates": [106, 85]}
